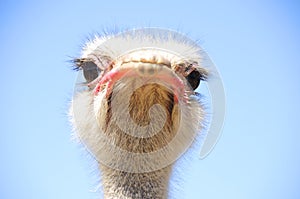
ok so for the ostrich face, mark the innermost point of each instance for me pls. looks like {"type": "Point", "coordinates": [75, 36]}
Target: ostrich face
{"type": "Point", "coordinates": [140, 104]}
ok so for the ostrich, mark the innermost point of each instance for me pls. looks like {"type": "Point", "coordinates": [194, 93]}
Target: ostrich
{"type": "Point", "coordinates": [135, 108]}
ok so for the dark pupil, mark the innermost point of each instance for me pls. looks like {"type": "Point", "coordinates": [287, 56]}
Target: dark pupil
{"type": "Point", "coordinates": [90, 71]}
{"type": "Point", "coordinates": [194, 79]}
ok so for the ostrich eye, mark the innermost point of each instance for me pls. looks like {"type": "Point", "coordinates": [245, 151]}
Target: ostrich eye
{"type": "Point", "coordinates": [90, 71]}
{"type": "Point", "coordinates": [194, 79]}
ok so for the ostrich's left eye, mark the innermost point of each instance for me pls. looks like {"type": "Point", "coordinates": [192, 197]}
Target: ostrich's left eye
{"type": "Point", "coordinates": [90, 71]}
{"type": "Point", "coordinates": [194, 79]}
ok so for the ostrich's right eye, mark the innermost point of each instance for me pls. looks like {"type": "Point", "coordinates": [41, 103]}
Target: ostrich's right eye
{"type": "Point", "coordinates": [90, 71]}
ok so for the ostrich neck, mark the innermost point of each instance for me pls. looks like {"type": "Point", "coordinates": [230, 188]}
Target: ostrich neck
{"type": "Point", "coordinates": [119, 184]}
{"type": "Point", "coordinates": [122, 185]}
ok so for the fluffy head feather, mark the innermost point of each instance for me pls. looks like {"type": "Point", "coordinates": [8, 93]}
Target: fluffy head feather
{"type": "Point", "coordinates": [139, 114]}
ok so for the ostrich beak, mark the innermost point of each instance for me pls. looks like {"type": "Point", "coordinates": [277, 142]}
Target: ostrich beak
{"type": "Point", "coordinates": [145, 70]}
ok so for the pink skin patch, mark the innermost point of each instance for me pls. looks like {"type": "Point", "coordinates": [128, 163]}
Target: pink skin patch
{"type": "Point", "coordinates": [110, 78]}
{"type": "Point", "coordinates": [117, 73]}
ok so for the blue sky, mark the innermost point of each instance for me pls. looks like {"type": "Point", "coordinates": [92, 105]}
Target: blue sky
{"type": "Point", "coordinates": [254, 44]}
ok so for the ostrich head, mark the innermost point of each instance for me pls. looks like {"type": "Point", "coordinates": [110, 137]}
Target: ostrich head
{"type": "Point", "coordinates": [135, 108]}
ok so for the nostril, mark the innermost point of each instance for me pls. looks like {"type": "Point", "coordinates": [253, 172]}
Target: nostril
{"type": "Point", "coordinates": [151, 70]}
{"type": "Point", "coordinates": [141, 70]}
{"type": "Point", "coordinates": [147, 69]}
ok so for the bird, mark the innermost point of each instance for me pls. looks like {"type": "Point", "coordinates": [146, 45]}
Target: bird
{"type": "Point", "coordinates": [135, 107]}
